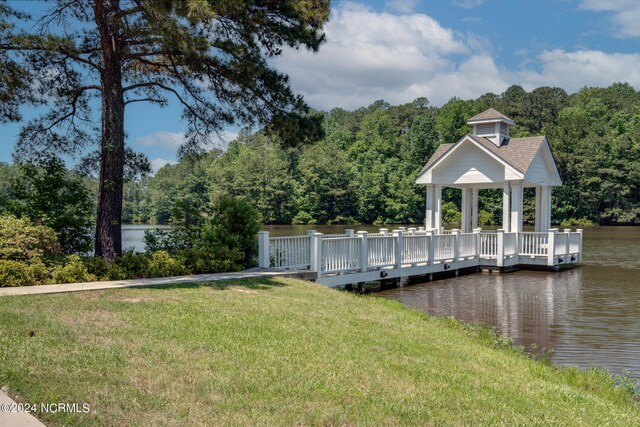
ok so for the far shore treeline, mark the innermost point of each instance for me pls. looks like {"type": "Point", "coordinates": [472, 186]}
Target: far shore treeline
{"type": "Point", "coordinates": [363, 170]}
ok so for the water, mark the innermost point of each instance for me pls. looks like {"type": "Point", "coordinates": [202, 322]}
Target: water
{"type": "Point", "coordinates": [587, 317]}
{"type": "Point", "coordinates": [133, 235]}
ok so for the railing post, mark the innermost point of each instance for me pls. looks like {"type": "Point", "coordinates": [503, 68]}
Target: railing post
{"type": "Point", "coordinates": [500, 248]}
{"type": "Point", "coordinates": [551, 247]}
{"type": "Point", "coordinates": [310, 234]}
{"type": "Point", "coordinates": [384, 231]}
{"type": "Point", "coordinates": [456, 244]}
{"type": "Point", "coordinates": [364, 250]}
{"type": "Point", "coordinates": [412, 231]}
{"type": "Point", "coordinates": [432, 242]}
{"type": "Point", "coordinates": [263, 249]}
{"type": "Point", "coordinates": [349, 232]}
{"type": "Point", "coordinates": [567, 248]}
{"type": "Point", "coordinates": [316, 254]}
{"type": "Point", "coordinates": [476, 236]}
{"type": "Point", "coordinates": [399, 246]}
{"type": "Point", "coordinates": [579, 231]}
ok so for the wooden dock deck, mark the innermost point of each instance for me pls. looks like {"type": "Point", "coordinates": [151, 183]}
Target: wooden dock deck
{"type": "Point", "coordinates": [341, 259]}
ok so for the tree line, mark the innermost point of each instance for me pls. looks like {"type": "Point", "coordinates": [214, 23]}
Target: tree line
{"type": "Point", "coordinates": [363, 170]}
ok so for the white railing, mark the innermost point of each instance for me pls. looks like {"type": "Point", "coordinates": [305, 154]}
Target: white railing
{"type": "Point", "coordinates": [289, 252]}
{"type": "Point", "coordinates": [468, 244]}
{"type": "Point", "coordinates": [560, 244]}
{"type": "Point", "coordinates": [381, 251]}
{"type": "Point", "coordinates": [575, 242]}
{"type": "Point", "coordinates": [444, 247]}
{"type": "Point", "coordinates": [340, 253]}
{"type": "Point", "coordinates": [415, 248]}
{"type": "Point", "coordinates": [510, 244]}
{"type": "Point", "coordinates": [534, 244]}
{"type": "Point", "coordinates": [351, 252]}
{"type": "Point", "coordinates": [488, 245]}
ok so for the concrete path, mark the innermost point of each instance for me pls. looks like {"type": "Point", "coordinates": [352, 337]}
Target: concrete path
{"type": "Point", "coordinates": [15, 419]}
{"type": "Point", "coordinates": [160, 281]}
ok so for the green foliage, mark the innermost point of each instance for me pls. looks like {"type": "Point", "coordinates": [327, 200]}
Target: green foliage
{"type": "Point", "coordinates": [485, 218]}
{"type": "Point", "coordinates": [162, 265]}
{"type": "Point", "coordinates": [50, 195]}
{"type": "Point", "coordinates": [303, 217]}
{"type": "Point", "coordinates": [577, 222]}
{"type": "Point", "coordinates": [234, 225]}
{"type": "Point", "coordinates": [19, 273]}
{"type": "Point", "coordinates": [20, 240]}
{"type": "Point", "coordinates": [450, 213]}
{"type": "Point", "coordinates": [72, 271]}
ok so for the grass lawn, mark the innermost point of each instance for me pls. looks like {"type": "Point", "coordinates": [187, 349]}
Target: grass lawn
{"type": "Point", "coordinates": [279, 352]}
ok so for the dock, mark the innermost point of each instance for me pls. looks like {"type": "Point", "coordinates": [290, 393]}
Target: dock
{"type": "Point", "coordinates": [357, 257]}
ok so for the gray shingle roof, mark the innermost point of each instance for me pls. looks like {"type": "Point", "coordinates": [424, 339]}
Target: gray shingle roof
{"type": "Point", "coordinates": [517, 152]}
{"type": "Point", "coordinates": [490, 114]}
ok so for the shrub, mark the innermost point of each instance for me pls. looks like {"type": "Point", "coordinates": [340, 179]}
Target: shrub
{"type": "Point", "coordinates": [128, 266]}
{"type": "Point", "coordinates": [485, 218]}
{"type": "Point", "coordinates": [97, 267]}
{"type": "Point", "coordinates": [18, 273]}
{"type": "Point", "coordinates": [74, 270]}
{"type": "Point", "coordinates": [577, 222]}
{"type": "Point", "coordinates": [162, 265]}
{"type": "Point", "coordinates": [234, 225]}
{"type": "Point", "coordinates": [20, 240]}
{"type": "Point", "coordinates": [303, 217]}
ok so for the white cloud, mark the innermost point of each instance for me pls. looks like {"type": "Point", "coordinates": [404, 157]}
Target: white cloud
{"type": "Point", "coordinates": [373, 55]}
{"type": "Point", "coordinates": [467, 4]}
{"type": "Point", "coordinates": [625, 15]}
{"type": "Point", "coordinates": [402, 6]}
{"type": "Point", "coordinates": [573, 70]}
{"type": "Point", "coordinates": [168, 140]}
{"type": "Point", "coordinates": [158, 163]}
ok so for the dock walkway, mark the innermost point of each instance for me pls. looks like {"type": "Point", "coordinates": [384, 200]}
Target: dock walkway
{"type": "Point", "coordinates": [340, 259]}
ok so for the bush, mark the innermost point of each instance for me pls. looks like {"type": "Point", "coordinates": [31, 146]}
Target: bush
{"type": "Point", "coordinates": [129, 266]}
{"type": "Point", "coordinates": [162, 265]}
{"type": "Point", "coordinates": [73, 271]}
{"type": "Point", "coordinates": [18, 273]}
{"type": "Point", "coordinates": [234, 225]}
{"type": "Point", "coordinates": [20, 240]}
{"type": "Point", "coordinates": [97, 267]}
{"type": "Point", "coordinates": [577, 222]}
{"type": "Point", "coordinates": [485, 218]}
{"type": "Point", "coordinates": [303, 217]}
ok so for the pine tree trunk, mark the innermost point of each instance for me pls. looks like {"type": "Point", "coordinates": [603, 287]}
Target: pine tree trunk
{"type": "Point", "coordinates": [108, 243]}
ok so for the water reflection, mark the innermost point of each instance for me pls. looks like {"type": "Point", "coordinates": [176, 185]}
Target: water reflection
{"type": "Point", "coordinates": [589, 316]}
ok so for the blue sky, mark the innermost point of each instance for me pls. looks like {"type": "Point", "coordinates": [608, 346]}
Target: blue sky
{"type": "Point", "coordinates": [399, 50]}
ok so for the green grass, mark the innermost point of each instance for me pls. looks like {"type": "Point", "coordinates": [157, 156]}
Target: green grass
{"type": "Point", "coordinates": [280, 352]}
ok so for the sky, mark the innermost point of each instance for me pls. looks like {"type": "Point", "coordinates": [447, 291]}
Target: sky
{"type": "Point", "coordinates": [399, 50]}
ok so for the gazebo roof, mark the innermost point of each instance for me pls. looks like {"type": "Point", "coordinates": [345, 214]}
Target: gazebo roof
{"type": "Point", "coordinates": [490, 115]}
{"type": "Point", "coordinates": [516, 152]}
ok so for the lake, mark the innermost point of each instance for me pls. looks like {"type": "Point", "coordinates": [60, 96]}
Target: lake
{"type": "Point", "coordinates": [588, 316]}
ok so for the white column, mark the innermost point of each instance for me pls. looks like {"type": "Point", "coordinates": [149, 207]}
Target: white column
{"type": "Point", "coordinates": [516, 207]}
{"type": "Point", "coordinates": [437, 207]}
{"type": "Point", "coordinates": [263, 249]}
{"type": "Point", "coordinates": [538, 227]}
{"type": "Point", "coordinates": [465, 220]}
{"type": "Point", "coordinates": [506, 206]}
{"type": "Point", "coordinates": [548, 215]}
{"type": "Point", "coordinates": [474, 208]}
{"type": "Point", "coordinates": [429, 220]}
{"type": "Point", "coordinates": [545, 208]}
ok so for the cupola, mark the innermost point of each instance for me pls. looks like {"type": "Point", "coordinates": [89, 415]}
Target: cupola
{"type": "Point", "coordinates": [491, 124]}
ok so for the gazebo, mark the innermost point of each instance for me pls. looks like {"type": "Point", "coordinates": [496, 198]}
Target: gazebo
{"type": "Point", "coordinates": [489, 158]}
